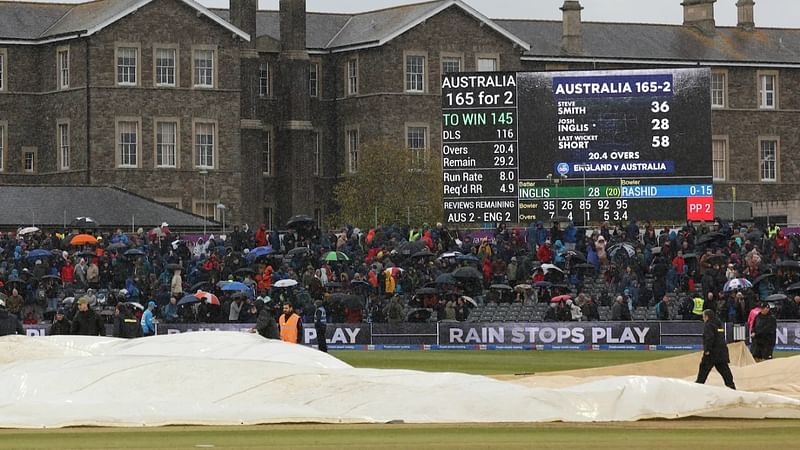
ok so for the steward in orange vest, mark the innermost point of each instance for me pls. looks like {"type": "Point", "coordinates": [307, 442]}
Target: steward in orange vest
{"type": "Point", "coordinates": [290, 324]}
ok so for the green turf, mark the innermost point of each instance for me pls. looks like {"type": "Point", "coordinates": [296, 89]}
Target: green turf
{"type": "Point", "coordinates": [496, 362]}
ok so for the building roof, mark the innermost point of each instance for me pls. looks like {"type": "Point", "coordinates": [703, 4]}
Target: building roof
{"type": "Point", "coordinates": [110, 207]}
{"type": "Point", "coordinates": [47, 22]}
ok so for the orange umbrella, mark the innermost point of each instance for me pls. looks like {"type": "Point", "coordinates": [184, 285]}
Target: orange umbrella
{"type": "Point", "coordinates": [84, 239]}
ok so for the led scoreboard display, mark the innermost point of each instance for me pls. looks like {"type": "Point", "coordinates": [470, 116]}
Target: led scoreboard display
{"type": "Point", "coordinates": [585, 146]}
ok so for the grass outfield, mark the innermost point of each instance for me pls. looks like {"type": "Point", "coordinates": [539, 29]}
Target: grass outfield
{"type": "Point", "coordinates": [662, 434]}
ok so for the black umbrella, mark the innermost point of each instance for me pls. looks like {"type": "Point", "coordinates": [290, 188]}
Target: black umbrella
{"type": "Point", "coordinates": [625, 247]}
{"type": "Point", "coordinates": [467, 273]}
{"type": "Point", "coordinates": [501, 287]}
{"type": "Point", "coordinates": [754, 235]}
{"type": "Point", "coordinates": [423, 254]}
{"type": "Point", "coordinates": [198, 286]}
{"type": "Point", "coordinates": [84, 255]}
{"type": "Point", "coordinates": [299, 252]}
{"type": "Point", "coordinates": [793, 287]}
{"type": "Point", "coordinates": [83, 222]}
{"type": "Point", "coordinates": [351, 301]}
{"type": "Point", "coordinates": [116, 246]}
{"type": "Point", "coordinates": [299, 220]}
{"type": "Point", "coordinates": [419, 315]}
{"type": "Point", "coordinates": [426, 291]}
{"type": "Point", "coordinates": [446, 278]}
{"type": "Point", "coordinates": [776, 298]}
{"type": "Point", "coordinates": [134, 252]}
{"type": "Point", "coordinates": [763, 277]}
{"type": "Point", "coordinates": [51, 277]}
{"type": "Point", "coordinates": [411, 248]}
{"type": "Point", "coordinates": [174, 267]}
{"type": "Point", "coordinates": [360, 284]}
{"type": "Point", "coordinates": [576, 255]}
{"type": "Point", "coordinates": [790, 265]}
{"type": "Point", "coordinates": [245, 271]}
{"type": "Point", "coordinates": [709, 237]}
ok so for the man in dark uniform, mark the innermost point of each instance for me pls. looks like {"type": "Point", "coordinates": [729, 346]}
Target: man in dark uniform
{"type": "Point", "coordinates": [86, 321]}
{"type": "Point", "coordinates": [60, 324]}
{"type": "Point", "coordinates": [9, 323]}
{"type": "Point", "coordinates": [321, 325]}
{"type": "Point", "coordinates": [715, 350]}
{"type": "Point", "coordinates": [764, 332]}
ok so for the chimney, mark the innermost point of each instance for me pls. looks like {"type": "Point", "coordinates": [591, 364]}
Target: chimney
{"type": "Point", "coordinates": [745, 14]}
{"type": "Point", "coordinates": [572, 34]}
{"type": "Point", "coordinates": [293, 25]}
{"type": "Point", "coordinates": [700, 14]}
{"type": "Point", "coordinates": [243, 17]}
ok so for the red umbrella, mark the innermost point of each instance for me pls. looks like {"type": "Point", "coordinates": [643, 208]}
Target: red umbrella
{"type": "Point", "coordinates": [207, 297]}
{"type": "Point", "coordinates": [560, 298]}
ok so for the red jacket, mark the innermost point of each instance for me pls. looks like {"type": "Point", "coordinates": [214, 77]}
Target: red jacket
{"type": "Point", "coordinates": [68, 273]}
{"type": "Point", "coordinates": [544, 254]}
{"type": "Point", "coordinates": [261, 237]}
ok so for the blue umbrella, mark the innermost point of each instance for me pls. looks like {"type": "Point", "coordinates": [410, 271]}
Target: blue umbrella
{"type": "Point", "coordinates": [445, 278]}
{"type": "Point", "coordinates": [258, 252]}
{"type": "Point", "coordinates": [236, 286]}
{"type": "Point", "coordinates": [39, 254]}
{"type": "Point", "coordinates": [188, 300]}
{"type": "Point", "coordinates": [134, 252]}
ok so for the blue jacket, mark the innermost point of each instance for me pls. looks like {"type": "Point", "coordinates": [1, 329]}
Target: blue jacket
{"type": "Point", "coordinates": [148, 326]}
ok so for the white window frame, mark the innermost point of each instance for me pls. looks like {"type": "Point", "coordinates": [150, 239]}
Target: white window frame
{"type": "Point", "coordinates": [268, 217]}
{"type": "Point", "coordinates": [29, 151]}
{"type": "Point", "coordinates": [62, 64]}
{"type": "Point", "coordinates": [314, 67]}
{"type": "Point", "coordinates": [317, 153]}
{"type": "Point", "coordinates": [444, 58]}
{"type": "Point", "coordinates": [172, 202]}
{"type": "Point", "coordinates": [352, 153]}
{"type": "Point", "coordinates": [263, 80]}
{"type": "Point", "coordinates": [776, 160]}
{"type": "Point", "coordinates": [3, 144]}
{"type": "Point", "coordinates": [63, 139]}
{"type": "Point", "coordinates": [722, 140]}
{"type": "Point", "coordinates": [175, 65]}
{"type": "Point", "coordinates": [118, 146]}
{"type": "Point", "coordinates": [487, 56]}
{"type": "Point", "coordinates": [212, 71]}
{"type": "Point", "coordinates": [419, 155]}
{"type": "Point", "coordinates": [721, 91]}
{"type": "Point", "coordinates": [3, 70]}
{"type": "Point", "coordinates": [137, 66]}
{"type": "Point", "coordinates": [214, 146]}
{"type": "Point", "coordinates": [415, 82]}
{"type": "Point", "coordinates": [176, 145]}
{"type": "Point", "coordinates": [267, 157]}
{"type": "Point", "coordinates": [351, 76]}
{"type": "Point", "coordinates": [198, 205]}
{"type": "Point", "coordinates": [764, 93]}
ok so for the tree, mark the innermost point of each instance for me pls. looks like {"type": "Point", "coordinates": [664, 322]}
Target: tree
{"type": "Point", "coordinates": [391, 183]}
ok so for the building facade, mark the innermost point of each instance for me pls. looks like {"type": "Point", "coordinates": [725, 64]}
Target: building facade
{"type": "Point", "coordinates": [265, 111]}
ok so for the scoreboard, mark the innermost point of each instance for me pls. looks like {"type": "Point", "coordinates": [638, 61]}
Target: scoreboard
{"type": "Point", "coordinates": [582, 146]}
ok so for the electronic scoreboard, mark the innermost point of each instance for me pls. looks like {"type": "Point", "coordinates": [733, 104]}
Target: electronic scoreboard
{"type": "Point", "coordinates": [583, 146]}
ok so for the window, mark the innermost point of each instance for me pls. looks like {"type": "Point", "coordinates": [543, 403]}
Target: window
{"type": "Point", "coordinates": [166, 144]}
{"type": "Point", "coordinates": [451, 64]}
{"type": "Point", "coordinates": [63, 67]}
{"type": "Point", "coordinates": [204, 68]}
{"type": "Point", "coordinates": [415, 73]}
{"type": "Point", "coordinates": [767, 88]}
{"type": "Point", "coordinates": [204, 136]}
{"type": "Point", "coordinates": [128, 143]}
{"type": "Point", "coordinates": [317, 153]}
{"type": "Point", "coordinates": [127, 65]}
{"type": "Point", "coordinates": [719, 151]}
{"type": "Point", "coordinates": [2, 145]}
{"type": "Point", "coordinates": [487, 64]}
{"type": "Point", "coordinates": [29, 161]}
{"type": "Point", "coordinates": [352, 77]}
{"type": "Point", "coordinates": [718, 89]}
{"type": "Point", "coordinates": [2, 69]}
{"type": "Point", "coordinates": [267, 216]}
{"type": "Point", "coordinates": [313, 79]}
{"type": "Point", "coordinates": [263, 80]}
{"type": "Point", "coordinates": [352, 151]}
{"type": "Point", "coordinates": [266, 155]}
{"type": "Point", "coordinates": [176, 203]}
{"type": "Point", "coordinates": [769, 159]}
{"type": "Point", "coordinates": [166, 66]}
{"type": "Point", "coordinates": [318, 216]}
{"type": "Point", "coordinates": [63, 146]}
{"type": "Point", "coordinates": [206, 209]}
{"type": "Point", "coordinates": [417, 143]}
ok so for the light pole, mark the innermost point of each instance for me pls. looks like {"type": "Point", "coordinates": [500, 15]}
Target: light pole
{"type": "Point", "coordinates": [205, 205]}
{"type": "Point", "coordinates": [222, 208]}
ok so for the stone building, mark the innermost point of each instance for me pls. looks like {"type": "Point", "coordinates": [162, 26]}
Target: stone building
{"type": "Point", "coordinates": [264, 111]}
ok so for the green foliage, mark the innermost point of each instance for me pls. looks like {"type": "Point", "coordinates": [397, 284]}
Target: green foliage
{"type": "Point", "coordinates": [390, 180]}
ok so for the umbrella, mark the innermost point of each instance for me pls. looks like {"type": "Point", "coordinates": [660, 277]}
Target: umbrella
{"type": "Point", "coordinates": [737, 283]}
{"type": "Point", "coordinates": [467, 273]}
{"type": "Point", "coordinates": [335, 256]}
{"type": "Point", "coordinates": [689, 255]}
{"type": "Point", "coordinates": [115, 246]}
{"type": "Point", "coordinates": [299, 252]}
{"type": "Point", "coordinates": [84, 255]}
{"type": "Point", "coordinates": [543, 284]}
{"type": "Point", "coordinates": [709, 237]}
{"type": "Point", "coordinates": [83, 239]}
{"type": "Point", "coordinates": [717, 259]}
{"type": "Point", "coordinates": [621, 247]}
{"type": "Point", "coordinates": [423, 254]}
{"type": "Point", "coordinates": [469, 300]}
{"type": "Point", "coordinates": [299, 220]}
{"type": "Point", "coordinates": [188, 299]}
{"type": "Point", "coordinates": [27, 230]}
{"type": "Point", "coordinates": [197, 286]}
{"type": "Point", "coordinates": [419, 315]}
{"type": "Point", "coordinates": [353, 302]}
{"type": "Point", "coordinates": [655, 250]}
{"type": "Point", "coordinates": [549, 267]}
{"type": "Point", "coordinates": [446, 255]}
{"type": "Point", "coordinates": [501, 287]}
{"type": "Point", "coordinates": [230, 286]}
{"type": "Point", "coordinates": [446, 278]}
{"type": "Point", "coordinates": [468, 258]}
{"type": "Point", "coordinates": [68, 300]}
{"type": "Point", "coordinates": [523, 287]}
{"type": "Point", "coordinates": [574, 254]}
{"type": "Point", "coordinates": [394, 271]}
{"type": "Point", "coordinates": [754, 235]}
{"type": "Point", "coordinates": [135, 305]}
{"type": "Point", "coordinates": [333, 285]}
{"type": "Point", "coordinates": [285, 283]}
{"type": "Point", "coordinates": [790, 264]}
{"type": "Point", "coordinates": [360, 284]}
{"type": "Point", "coordinates": [83, 222]}
{"type": "Point", "coordinates": [207, 297]}
{"type": "Point", "coordinates": [763, 277]}
{"type": "Point", "coordinates": [51, 277]}
{"type": "Point", "coordinates": [134, 252]}
{"type": "Point", "coordinates": [39, 254]}
{"type": "Point", "coordinates": [776, 298]}
{"type": "Point", "coordinates": [259, 252]}
{"type": "Point", "coordinates": [560, 298]}
{"type": "Point", "coordinates": [245, 271]}
{"type": "Point", "coordinates": [409, 248]}
{"type": "Point", "coordinates": [426, 291]}
{"type": "Point", "coordinates": [793, 287]}
{"type": "Point", "coordinates": [174, 267]}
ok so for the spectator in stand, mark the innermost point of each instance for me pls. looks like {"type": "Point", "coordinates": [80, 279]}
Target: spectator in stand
{"type": "Point", "coordinates": [662, 309]}
{"type": "Point", "coordinates": [148, 322]}
{"type": "Point", "coordinates": [589, 310]}
{"type": "Point", "coordinates": [61, 325]}
{"type": "Point", "coordinates": [544, 254]}
{"type": "Point", "coordinates": [170, 312]}
{"type": "Point", "coordinates": [9, 323]}
{"type": "Point", "coordinates": [15, 302]}
{"type": "Point", "coordinates": [86, 322]}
